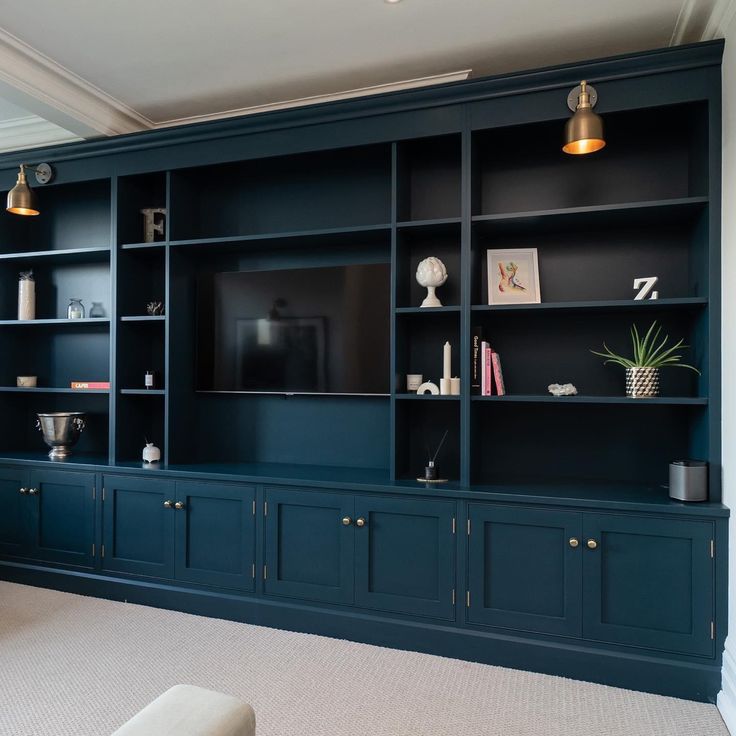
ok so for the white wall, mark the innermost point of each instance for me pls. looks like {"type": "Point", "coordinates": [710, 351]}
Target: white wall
{"type": "Point", "coordinates": [727, 696]}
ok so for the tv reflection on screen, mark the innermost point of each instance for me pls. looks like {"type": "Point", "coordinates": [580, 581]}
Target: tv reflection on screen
{"type": "Point", "coordinates": [275, 351]}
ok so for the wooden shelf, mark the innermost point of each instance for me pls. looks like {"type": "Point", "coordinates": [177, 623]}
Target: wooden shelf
{"type": "Point", "coordinates": [73, 255]}
{"type": "Point", "coordinates": [426, 397]}
{"type": "Point", "coordinates": [48, 322]}
{"type": "Point", "coordinates": [50, 390]}
{"type": "Point", "coordinates": [144, 318]}
{"type": "Point", "coordinates": [143, 391]}
{"type": "Point", "coordinates": [427, 310]}
{"type": "Point", "coordinates": [441, 222]}
{"type": "Point", "coordinates": [144, 246]}
{"type": "Point", "coordinates": [295, 235]}
{"type": "Point", "coordinates": [629, 213]}
{"type": "Point", "coordinates": [547, 399]}
{"type": "Point", "coordinates": [612, 305]}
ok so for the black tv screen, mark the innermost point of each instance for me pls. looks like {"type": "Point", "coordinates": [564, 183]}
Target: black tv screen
{"type": "Point", "coordinates": [310, 330]}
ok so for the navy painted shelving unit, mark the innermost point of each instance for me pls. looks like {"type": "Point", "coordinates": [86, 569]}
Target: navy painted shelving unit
{"type": "Point", "coordinates": [554, 545]}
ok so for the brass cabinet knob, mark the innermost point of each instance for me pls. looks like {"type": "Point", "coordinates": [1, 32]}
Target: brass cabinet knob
{"type": "Point", "coordinates": [179, 505]}
{"type": "Point", "coordinates": [346, 521]}
{"type": "Point", "coordinates": [23, 491]}
{"type": "Point", "coordinates": [573, 541]}
{"type": "Point", "coordinates": [168, 504]}
{"type": "Point", "coordinates": [360, 521]}
{"type": "Point", "coordinates": [33, 491]}
{"type": "Point", "coordinates": [592, 544]}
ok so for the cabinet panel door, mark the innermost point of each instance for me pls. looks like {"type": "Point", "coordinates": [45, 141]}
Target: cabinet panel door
{"type": "Point", "coordinates": [215, 534]}
{"type": "Point", "coordinates": [64, 516]}
{"type": "Point", "coordinates": [649, 583]}
{"type": "Point", "coordinates": [523, 572]}
{"type": "Point", "coordinates": [405, 556]}
{"type": "Point", "coordinates": [15, 513]}
{"type": "Point", "coordinates": [309, 551]}
{"type": "Point", "coordinates": [138, 529]}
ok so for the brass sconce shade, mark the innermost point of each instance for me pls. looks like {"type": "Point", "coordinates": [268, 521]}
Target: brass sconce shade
{"type": "Point", "coordinates": [584, 130]}
{"type": "Point", "coordinates": [22, 199]}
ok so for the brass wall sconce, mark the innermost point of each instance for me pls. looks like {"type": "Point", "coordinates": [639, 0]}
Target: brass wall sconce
{"type": "Point", "coordinates": [22, 199]}
{"type": "Point", "coordinates": [584, 130]}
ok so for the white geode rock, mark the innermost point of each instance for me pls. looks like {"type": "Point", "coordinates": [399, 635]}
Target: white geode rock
{"type": "Point", "coordinates": [562, 389]}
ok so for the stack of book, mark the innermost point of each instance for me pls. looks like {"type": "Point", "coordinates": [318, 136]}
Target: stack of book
{"type": "Point", "coordinates": [485, 367]}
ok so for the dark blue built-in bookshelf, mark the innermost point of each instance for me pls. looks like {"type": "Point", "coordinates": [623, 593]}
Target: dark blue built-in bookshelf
{"type": "Point", "coordinates": [449, 172]}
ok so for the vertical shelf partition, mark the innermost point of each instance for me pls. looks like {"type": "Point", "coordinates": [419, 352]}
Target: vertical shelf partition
{"type": "Point", "coordinates": [141, 338]}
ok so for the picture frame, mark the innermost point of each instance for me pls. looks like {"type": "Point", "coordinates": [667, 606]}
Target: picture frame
{"type": "Point", "coordinates": [513, 276]}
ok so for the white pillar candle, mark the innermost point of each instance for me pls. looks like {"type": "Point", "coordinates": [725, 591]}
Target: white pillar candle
{"type": "Point", "coordinates": [26, 299]}
{"type": "Point", "coordinates": [447, 362]}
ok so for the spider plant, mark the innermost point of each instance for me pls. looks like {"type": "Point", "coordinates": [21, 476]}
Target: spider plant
{"type": "Point", "coordinates": [649, 351]}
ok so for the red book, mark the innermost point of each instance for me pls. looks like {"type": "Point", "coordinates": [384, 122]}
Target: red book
{"type": "Point", "coordinates": [498, 375]}
{"type": "Point", "coordinates": [487, 367]}
{"type": "Point", "coordinates": [81, 385]}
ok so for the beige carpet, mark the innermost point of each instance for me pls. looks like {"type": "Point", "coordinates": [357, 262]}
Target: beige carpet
{"type": "Point", "coordinates": [75, 666]}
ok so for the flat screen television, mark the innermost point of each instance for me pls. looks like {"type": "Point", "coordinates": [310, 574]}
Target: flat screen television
{"type": "Point", "coordinates": [322, 330]}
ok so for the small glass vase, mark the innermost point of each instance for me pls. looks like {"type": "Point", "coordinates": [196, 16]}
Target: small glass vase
{"type": "Point", "coordinates": [97, 311]}
{"type": "Point", "coordinates": [75, 310]}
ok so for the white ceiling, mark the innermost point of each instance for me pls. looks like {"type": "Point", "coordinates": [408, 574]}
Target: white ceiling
{"type": "Point", "coordinates": [107, 67]}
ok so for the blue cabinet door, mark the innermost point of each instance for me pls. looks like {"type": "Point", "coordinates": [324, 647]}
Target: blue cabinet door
{"type": "Point", "coordinates": [405, 555]}
{"type": "Point", "coordinates": [308, 549]}
{"type": "Point", "coordinates": [63, 507]}
{"type": "Point", "coordinates": [15, 513]}
{"type": "Point", "coordinates": [524, 569]}
{"type": "Point", "coordinates": [649, 583]}
{"type": "Point", "coordinates": [138, 526]}
{"type": "Point", "coordinates": [215, 534]}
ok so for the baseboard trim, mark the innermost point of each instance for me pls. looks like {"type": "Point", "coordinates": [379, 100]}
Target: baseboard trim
{"type": "Point", "coordinates": [677, 678]}
{"type": "Point", "coordinates": [726, 700]}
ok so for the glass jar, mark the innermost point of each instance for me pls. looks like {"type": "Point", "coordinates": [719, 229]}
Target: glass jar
{"type": "Point", "coordinates": [75, 310]}
{"type": "Point", "coordinates": [97, 311]}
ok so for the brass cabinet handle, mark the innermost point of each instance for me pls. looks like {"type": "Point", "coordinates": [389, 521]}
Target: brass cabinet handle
{"type": "Point", "coordinates": [168, 504]}
{"type": "Point", "coordinates": [360, 521]}
{"type": "Point", "coordinates": [573, 541]}
{"type": "Point", "coordinates": [346, 521]}
{"type": "Point", "coordinates": [592, 544]}
{"type": "Point", "coordinates": [33, 491]}
{"type": "Point", "coordinates": [23, 491]}
{"type": "Point", "coordinates": [179, 505]}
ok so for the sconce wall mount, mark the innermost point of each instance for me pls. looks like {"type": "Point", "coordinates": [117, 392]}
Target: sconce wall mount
{"type": "Point", "coordinates": [22, 199]}
{"type": "Point", "coordinates": [584, 130]}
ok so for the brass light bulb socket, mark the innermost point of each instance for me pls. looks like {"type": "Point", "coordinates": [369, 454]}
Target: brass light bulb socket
{"type": "Point", "coordinates": [584, 130]}
{"type": "Point", "coordinates": [21, 198]}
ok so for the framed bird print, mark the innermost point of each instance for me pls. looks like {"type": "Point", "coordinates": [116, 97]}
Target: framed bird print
{"type": "Point", "coordinates": [513, 276]}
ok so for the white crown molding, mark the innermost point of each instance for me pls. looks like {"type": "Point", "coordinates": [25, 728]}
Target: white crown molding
{"type": "Point", "coordinates": [35, 75]}
{"type": "Point", "coordinates": [720, 18]}
{"type": "Point", "coordinates": [377, 89]}
{"type": "Point", "coordinates": [31, 132]}
{"type": "Point", "coordinates": [682, 24]}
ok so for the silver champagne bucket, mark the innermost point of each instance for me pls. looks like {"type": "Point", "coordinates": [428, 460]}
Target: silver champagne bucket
{"type": "Point", "coordinates": [61, 430]}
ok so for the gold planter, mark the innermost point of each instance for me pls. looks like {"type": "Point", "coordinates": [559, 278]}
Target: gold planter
{"type": "Point", "coordinates": [642, 383]}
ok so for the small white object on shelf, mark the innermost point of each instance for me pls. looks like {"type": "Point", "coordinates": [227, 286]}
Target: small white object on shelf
{"type": "Point", "coordinates": [26, 296]}
{"type": "Point", "coordinates": [431, 273]}
{"type": "Point", "coordinates": [447, 361]}
{"type": "Point", "coordinates": [445, 386]}
{"type": "Point", "coordinates": [562, 389]}
{"type": "Point", "coordinates": [455, 387]}
{"type": "Point", "coordinates": [428, 388]}
{"type": "Point", "coordinates": [26, 381]}
{"type": "Point", "coordinates": [413, 381]}
{"type": "Point", "coordinates": [645, 286]}
{"type": "Point", "coordinates": [151, 453]}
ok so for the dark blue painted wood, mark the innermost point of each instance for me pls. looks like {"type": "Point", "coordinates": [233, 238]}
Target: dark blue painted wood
{"type": "Point", "coordinates": [309, 552]}
{"type": "Point", "coordinates": [215, 535]}
{"type": "Point", "coordinates": [15, 514]}
{"type": "Point", "coordinates": [63, 516]}
{"type": "Point", "coordinates": [405, 556]}
{"type": "Point", "coordinates": [522, 572]}
{"type": "Point", "coordinates": [649, 583]}
{"type": "Point", "coordinates": [138, 530]}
